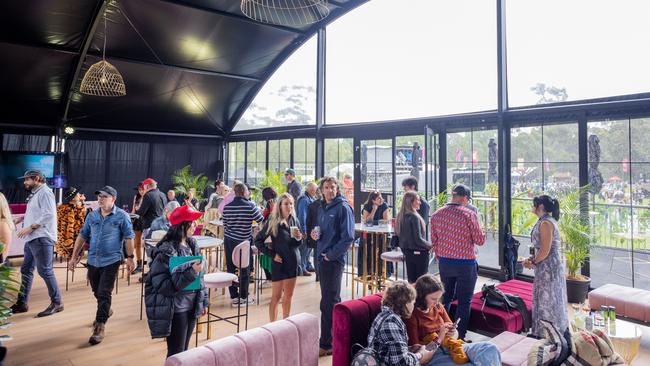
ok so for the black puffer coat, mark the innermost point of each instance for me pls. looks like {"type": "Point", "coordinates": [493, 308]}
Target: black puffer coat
{"type": "Point", "coordinates": [161, 286]}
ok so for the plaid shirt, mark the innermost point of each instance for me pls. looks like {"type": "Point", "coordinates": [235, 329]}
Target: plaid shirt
{"type": "Point", "coordinates": [455, 231]}
{"type": "Point", "coordinates": [391, 340]}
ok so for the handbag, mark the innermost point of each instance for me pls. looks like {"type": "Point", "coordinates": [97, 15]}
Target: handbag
{"type": "Point", "coordinates": [510, 253]}
{"type": "Point", "coordinates": [367, 356]}
{"type": "Point", "coordinates": [495, 298]}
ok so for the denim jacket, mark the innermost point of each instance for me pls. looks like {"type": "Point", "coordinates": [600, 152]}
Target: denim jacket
{"type": "Point", "coordinates": [106, 235]}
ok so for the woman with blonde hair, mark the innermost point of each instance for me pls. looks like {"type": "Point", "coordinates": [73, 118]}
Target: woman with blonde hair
{"type": "Point", "coordinates": [410, 229]}
{"type": "Point", "coordinates": [7, 226]}
{"type": "Point", "coordinates": [283, 228]}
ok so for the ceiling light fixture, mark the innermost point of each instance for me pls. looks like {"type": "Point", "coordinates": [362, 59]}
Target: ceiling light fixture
{"type": "Point", "coordinates": [102, 78]}
{"type": "Point", "coordinates": [292, 13]}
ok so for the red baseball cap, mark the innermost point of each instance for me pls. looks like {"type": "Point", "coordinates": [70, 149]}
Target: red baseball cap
{"type": "Point", "coordinates": [148, 181]}
{"type": "Point", "coordinates": [182, 214]}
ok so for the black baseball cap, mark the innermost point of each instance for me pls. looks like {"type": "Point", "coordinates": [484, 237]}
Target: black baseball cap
{"type": "Point", "coordinates": [32, 173]}
{"type": "Point", "coordinates": [461, 190]}
{"type": "Point", "coordinates": [107, 190]}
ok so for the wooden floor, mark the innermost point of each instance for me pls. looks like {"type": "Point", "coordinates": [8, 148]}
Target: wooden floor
{"type": "Point", "coordinates": [62, 339]}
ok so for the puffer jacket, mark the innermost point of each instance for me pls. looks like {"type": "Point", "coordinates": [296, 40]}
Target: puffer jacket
{"type": "Point", "coordinates": [161, 286]}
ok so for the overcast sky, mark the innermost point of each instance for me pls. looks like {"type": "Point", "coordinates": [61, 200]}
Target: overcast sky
{"type": "Point", "coordinates": [393, 59]}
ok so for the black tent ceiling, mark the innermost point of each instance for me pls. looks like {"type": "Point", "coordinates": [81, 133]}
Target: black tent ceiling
{"type": "Point", "coordinates": [189, 66]}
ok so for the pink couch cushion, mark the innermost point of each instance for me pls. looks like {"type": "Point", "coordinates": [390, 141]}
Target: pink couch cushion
{"type": "Point", "coordinates": [18, 208]}
{"type": "Point", "coordinates": [229, 351]}
{"type": "Point", "coordinates": [196, 356]}
{"type": "Point", "coordinates": [259, 346]}
{"type": "Point", "coordinates": [514, 348]}
{"type": "Point", "coordinates": [351, 322]}
{"type": "Point", "coordinates": [308, 334]}
{"type": "Point", "coordinates": [285, 338]}
{"type": "Point", "coordinates": [629, 302]}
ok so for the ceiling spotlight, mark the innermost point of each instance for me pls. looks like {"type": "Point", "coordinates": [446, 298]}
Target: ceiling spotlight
{"type": "Point", "coordinates": [68, 130]}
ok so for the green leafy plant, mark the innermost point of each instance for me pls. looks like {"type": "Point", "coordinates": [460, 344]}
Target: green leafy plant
{"type": "Point", "coordinates": [184, 180]}
{"type": "Point", "coordinates": [9, 288]}
{"type": "Point", "coordinates": [574, 232]}
{"type": "Point", "coordinates": [270, 179]}
{"type": "Point", "coordinates": [522, 217]}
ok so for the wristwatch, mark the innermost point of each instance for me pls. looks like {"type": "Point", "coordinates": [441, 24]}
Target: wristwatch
{"type": "Point", "coordinates": [130, 256]}
{"type": "Point", "coordinates": [34, 226]}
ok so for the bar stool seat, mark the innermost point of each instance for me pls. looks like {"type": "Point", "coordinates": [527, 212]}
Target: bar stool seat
{"type": "Point", "coordinates": [219, 279]}
{"type": "Point", "coordinates": [395, 256]}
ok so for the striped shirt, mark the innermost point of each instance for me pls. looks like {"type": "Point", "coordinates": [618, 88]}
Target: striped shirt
{"type": "Point", "coordinates": [238, 217]}
{"type": "Point", "coordinates": [455, 231]}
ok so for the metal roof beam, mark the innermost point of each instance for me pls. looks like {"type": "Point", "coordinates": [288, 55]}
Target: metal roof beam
{"type": "Point", "coordinates": [90, 32]}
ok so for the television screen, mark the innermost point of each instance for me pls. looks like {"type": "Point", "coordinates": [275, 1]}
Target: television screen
{"type": "Point", "coordinates": [14, 164]}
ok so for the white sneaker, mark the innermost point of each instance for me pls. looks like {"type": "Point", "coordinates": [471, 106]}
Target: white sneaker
{"type": "Point", "coordinates": [242, 302]}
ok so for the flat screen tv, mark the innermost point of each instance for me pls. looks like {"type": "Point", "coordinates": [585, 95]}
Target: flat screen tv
{"type": "Point", "coordinates": [14, 164]}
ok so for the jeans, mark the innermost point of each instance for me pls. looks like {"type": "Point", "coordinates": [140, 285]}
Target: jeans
{"type": "Point", "coordinates": [102, 281]}
{"type": "Point", "coordinates": [416, 262]}
{"type": "Point", "coordinates": [305, 252]}
{"type": "Point", "coordinates": [38, 253]}
{"type": "Point", "coordinates": [459, 281]}
{"type": "Point", "coordinates": [331, 274]}
{"type": "Point", "coordinates": [479, 354]}
{"type": "Point", "coordinates": [179, 338]}
{"type": "Point", "coordinates": [235, 290]}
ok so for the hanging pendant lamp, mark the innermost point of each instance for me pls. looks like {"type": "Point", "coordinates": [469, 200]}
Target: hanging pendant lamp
{"type": "Point", "coordinates": [292, 13]}
{"type": "Point", "coordinates": [102, 78]}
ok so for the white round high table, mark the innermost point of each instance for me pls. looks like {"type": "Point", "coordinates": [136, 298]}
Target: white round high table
{"type": "Point", "coordinates": [380, 233]}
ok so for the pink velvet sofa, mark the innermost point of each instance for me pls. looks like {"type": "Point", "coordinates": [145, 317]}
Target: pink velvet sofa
{"type": "Point", "coordinates": [632, 303]}
{"type": "Point", "coordinates": [289, 342]}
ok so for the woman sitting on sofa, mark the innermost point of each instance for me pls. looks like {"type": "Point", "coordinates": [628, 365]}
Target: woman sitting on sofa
{"type": "Point", "coordinates": [430, 323]}
{"type": "Point", "coordinates": [388, 335]}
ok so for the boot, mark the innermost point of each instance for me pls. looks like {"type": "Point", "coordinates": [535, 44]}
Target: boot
{"type": "Point", "coordinates": [51, 309]}
{"type": "Point", "coordinates": [19, 307]}
{"type": "Point", "coordinates": [98, 334]}
{"type": "Point", "coordinates": [455, 349]}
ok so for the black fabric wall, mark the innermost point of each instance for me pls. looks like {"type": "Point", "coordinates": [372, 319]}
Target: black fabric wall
{"type": "Point", "coordinates": [14, 142]}
{"type": "Point", "coordinates": [123, 161]}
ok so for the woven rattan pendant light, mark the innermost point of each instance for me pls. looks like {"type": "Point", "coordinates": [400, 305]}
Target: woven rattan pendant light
{"type": "Point", "coordinates": [292, 13]}
{"type": "Point", "coordinates": [103, 79]}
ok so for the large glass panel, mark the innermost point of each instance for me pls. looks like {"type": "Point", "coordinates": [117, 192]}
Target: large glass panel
{"type": "Point", "coordinates": [289, 97]}
{"type": "Point", "coordinates": [472, 159]}
{"type": "Point", "coordinates": [565, 61]}
{"type": "Point", "coordinates": [339, 163]}
{"type": "Point", "coordinates": [279, 155]}
{"type": "Point", "coordinates": [439, 57]}
{"type": "Point", "coordinates": [376, 165]}
{"type": "Point", "coordinates": [409, 161]}
{"type": "Point", "coordinates": [236, 161]}
{"type": "Point", "coordinates": [256, 161]}
{"type": "Point", "coordinates": [612, 204]}
{"type": "Point", "coordinates": [304, 159]}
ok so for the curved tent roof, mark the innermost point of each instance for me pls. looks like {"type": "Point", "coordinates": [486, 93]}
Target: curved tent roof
{"type": "Point", "coordinates": [190, 66]}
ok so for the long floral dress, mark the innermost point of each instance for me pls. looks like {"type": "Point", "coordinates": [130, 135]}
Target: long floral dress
{"type": "Point", "coordinates": [549, 287]}
{"type": "Point", "coordinates": [70, 220]}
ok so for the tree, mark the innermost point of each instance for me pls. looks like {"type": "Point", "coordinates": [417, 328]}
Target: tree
{"type": "Point", "coordinates": [549, 94]}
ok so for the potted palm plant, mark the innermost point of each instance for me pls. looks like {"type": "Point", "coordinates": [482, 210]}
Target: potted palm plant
{"type": "Point", "coordinates": [184, 180]}
{"type": "Point", "coordinates": [576, 242]}
{"type": "Point", "coordinates": [9, 287]}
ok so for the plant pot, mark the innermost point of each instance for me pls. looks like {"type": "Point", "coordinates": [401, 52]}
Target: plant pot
{"type": "Point", "coordinates": [577, 289]}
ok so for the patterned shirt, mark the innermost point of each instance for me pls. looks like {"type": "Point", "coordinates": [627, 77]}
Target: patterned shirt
{"type": "Point", "coordinates": [455, 231]}
{"type": "Point", "coordinates": [238, 216]}
{"type": "Point", "coordinates": [390, 340]}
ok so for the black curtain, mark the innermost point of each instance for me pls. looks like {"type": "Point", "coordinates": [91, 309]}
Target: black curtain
{"type": "Point", "coordinates": [122, 161]}
{"type": "Point", "coordinates": [86, 165]}
{"type": "Point", "coordinates": [165, 159]}
{"type": "Point", "coordinates": [16, 193]}
{"type": "Point", "coordinates": [12, 142]}
{"type": "Point", "coordinates": [128, 164]}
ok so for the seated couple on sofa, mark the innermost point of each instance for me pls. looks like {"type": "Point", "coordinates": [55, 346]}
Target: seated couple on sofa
{"type": "Point", "coordinates": [427, 323]}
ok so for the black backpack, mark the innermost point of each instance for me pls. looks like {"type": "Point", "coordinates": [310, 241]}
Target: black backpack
{"type": "Point", "coordinates": [495, 298]}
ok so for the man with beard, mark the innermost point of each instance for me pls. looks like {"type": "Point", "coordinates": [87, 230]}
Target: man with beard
{"type": "Point", "coordinates": [39, 233]}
